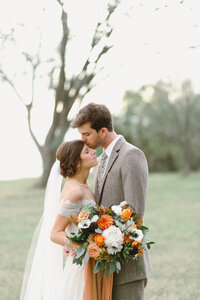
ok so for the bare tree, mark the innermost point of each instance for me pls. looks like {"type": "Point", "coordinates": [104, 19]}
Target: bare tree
{"type": "Point", "coordinates": [66, 90]}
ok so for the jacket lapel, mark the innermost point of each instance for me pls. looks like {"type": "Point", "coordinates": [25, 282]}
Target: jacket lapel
{"type": "Point", "coordinates": [95, 180]}
{"type": "Point", "coordinates": [112, 159]}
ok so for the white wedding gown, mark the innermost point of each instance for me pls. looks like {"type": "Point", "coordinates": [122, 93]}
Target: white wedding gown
{"type": "Point", "coordinates": [45, 278]}
{"type": "Point", "coordinates": [72, 283]}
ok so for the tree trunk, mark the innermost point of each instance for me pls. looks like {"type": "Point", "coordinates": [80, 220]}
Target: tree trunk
{"type": "Point", "coordinates": [67, 90]}
{"type": "Point", "coordinates": [48, 159]}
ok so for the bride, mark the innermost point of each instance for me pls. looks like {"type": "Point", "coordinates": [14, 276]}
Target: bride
{"type": "Point", "coordinates": [44, 277]}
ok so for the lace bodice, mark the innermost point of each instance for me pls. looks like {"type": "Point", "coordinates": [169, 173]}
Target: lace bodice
{"type": "Point", "coordinates": [67, 208]}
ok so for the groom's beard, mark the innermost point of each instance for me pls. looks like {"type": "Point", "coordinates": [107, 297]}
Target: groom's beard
{"type": "Point", "coordinates": [96, 143]}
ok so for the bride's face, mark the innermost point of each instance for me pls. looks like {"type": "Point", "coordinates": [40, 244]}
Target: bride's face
{"type": "Point", "coordinates": [88, 158]}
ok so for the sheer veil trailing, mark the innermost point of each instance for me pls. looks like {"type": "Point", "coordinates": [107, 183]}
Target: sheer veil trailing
{"type": "Point", "coordinates": [44, 265]}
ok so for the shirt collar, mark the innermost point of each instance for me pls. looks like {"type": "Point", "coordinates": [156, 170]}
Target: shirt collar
{"type": "Point", "coordinates": [110, 147]}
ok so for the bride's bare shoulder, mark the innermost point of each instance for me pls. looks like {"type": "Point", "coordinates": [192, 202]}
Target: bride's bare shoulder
{"type": "Point", "coordinates": [72, 192]}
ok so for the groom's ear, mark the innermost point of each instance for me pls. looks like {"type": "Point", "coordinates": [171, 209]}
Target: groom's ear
{"type": "Point", "coordinates": [104, 131]}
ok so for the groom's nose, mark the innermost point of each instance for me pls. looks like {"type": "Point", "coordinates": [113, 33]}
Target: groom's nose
{"type": "Point", "coordinates": [83, 138]}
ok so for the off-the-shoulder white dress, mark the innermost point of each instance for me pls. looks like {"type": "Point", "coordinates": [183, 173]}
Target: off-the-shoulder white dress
{"type": "Point", "coordinates": [72, 284]}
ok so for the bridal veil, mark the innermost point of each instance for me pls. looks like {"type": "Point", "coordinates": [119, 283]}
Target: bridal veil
{"type": "Point", "coordinates": [44, 265]}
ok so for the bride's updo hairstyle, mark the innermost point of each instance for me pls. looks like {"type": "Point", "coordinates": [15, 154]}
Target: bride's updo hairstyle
{"type": "Point", "coordinates": [69, 155]}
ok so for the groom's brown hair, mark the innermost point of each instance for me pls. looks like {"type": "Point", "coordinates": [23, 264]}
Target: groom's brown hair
{"type": "Point", "coordinates": [98, 115]}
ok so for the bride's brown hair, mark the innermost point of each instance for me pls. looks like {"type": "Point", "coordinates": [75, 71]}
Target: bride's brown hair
{"type": "Point", "coordinates": [69, 155]}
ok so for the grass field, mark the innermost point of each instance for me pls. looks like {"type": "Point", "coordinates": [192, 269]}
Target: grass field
{"type": "Point", "coordinates": [172, 214]}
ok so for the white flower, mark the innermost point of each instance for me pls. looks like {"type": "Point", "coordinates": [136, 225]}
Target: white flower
{"type": "Point", "coordinates": [114, 250]}
{"type": "Point", "coordinates": [123, 203]}
{"type": "Point", "coordinates": [137, 235]}
{"type": "Point", "coordinates": [117, 210]}
{"type": "Point", "coordinates": [113, 239]}
{"type": "Point", "coordinates": [83, 224]}
{"type": "Point", "coordinates": [94, 218]}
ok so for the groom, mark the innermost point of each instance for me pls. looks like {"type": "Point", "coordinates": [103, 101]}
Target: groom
{"type": "Point", "coordinates": [121, 176]}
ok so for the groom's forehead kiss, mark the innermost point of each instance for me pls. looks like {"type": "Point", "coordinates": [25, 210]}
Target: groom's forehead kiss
{"type": "Point", "coordinates": [86, 129]}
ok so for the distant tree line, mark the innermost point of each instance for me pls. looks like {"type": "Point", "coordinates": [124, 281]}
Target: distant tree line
{"type": "Point", "coordinates": [164, 121]}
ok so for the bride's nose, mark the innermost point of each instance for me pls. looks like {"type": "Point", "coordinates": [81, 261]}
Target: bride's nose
{"type": "Point", "coordinates": [93, 152]}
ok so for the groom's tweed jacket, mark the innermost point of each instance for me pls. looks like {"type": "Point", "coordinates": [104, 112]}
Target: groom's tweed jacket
{"type": "Point", "coordinates": [125, 179]}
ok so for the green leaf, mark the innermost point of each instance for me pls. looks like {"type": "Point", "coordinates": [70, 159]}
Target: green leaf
{"type": "Point", "coordinates": [85, 244]}
{"type": "Point", "coordinates": [98, 230]}
{"type": "Point", "coordinates": [80, 253]}
{"type": "Point", "coordinates": [107, 272]}
{"type": "Point", "coordinates": [86, 258]}
{"type": "Point", "coordinates": [79, 250]}
{"type": "Point", "coordinates": [139, 266]}
{"type": "Point", "coordinates": [77, 261]}
{"type": "Point", "coordinates": [97, 267]}
{"type": "Point", "coordinates": [149, 244]}
{"type": "Point", "coordinates": [112, 267]}
{"type": "Point", "coordinates": [145, 230]}
{"type": "Point", "coordinates": [118, 265]}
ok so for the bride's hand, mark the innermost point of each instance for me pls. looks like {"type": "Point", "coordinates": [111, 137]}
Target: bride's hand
{"type": "Point", "coordinates": [71, 244]}
{"type": "Point", "coordinates": [74, 243]}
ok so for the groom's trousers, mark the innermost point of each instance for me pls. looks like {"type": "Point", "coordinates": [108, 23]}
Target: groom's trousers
{"type": "Point", "coordinates": [129, 291]}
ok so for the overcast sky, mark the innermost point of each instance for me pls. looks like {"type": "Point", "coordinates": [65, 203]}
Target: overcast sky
{"type": "Point", "coordinates": [152, 40]}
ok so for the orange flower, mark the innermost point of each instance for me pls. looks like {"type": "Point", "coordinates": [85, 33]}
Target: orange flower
{"type": "Point", "coordinates": [135, 243]}
{"type": "Point", "coordinates": [100, 210]}
{"type": "Point", "coordinates": [108, 211]}
{"type": "Point", "coordinates": [140, 251]}
{"type": "Point", "coordinates": [105, 222]}
{"type": "Point", "coordinates": [126, 213]}
{"type": "Point", "coordinates": [99, 239]}
{"type": "Point", "coordinates": [127, 238]}
{"type": "Point", "coordinates": [91, 239]}
{"type": "Point", "coordinates": [83, 215]}
{"type": "Point", "coordinates": [93, 250]}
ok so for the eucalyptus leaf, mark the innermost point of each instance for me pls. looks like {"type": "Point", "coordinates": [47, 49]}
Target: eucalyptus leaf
{"type": "Point", "coordinates": [86, 258]}
{"type": "Point", "coordinates": [118, 265]}
{"type": "Point", "coordinates": [107, 272]}
{"type": "Point", "coordinates": [85, 244]}
{"type": "Point", "coordinates": [79, 250]}
{"type": "Point", "coordinates": [98, 230]}
{"type": "Point", "coordinates": [97, 267]}
{"type": "Point", "coordinates": [112, 267]}
{"type": "Point", "coordinates": [80, 253]}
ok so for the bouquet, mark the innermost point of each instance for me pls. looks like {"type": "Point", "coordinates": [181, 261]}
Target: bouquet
{"type": "Point", "coordinates": [110, 236]}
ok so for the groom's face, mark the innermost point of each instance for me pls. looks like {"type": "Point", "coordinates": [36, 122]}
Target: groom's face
{"type": "Point", "coordinates": [90, 136]}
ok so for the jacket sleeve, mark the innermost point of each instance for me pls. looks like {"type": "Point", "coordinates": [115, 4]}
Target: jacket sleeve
{"type": "Point", "coordinates": [134, 173]}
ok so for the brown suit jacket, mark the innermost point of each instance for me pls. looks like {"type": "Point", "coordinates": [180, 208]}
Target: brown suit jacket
{"type": "Point", "coordinates": [125, 179]}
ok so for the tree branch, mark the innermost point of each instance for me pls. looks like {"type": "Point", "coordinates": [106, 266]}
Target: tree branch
{"type": "Point", "coordinates": [29, 107]}
{"type": "Point", "coordinates": [9, 81]}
